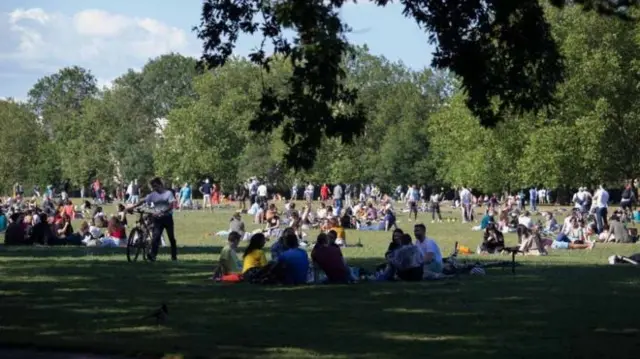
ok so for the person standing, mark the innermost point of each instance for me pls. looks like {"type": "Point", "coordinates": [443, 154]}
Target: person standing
{"type": "Point", "coordinates": [465, 202]}
{"type": "Point", "coordinates": [413, 196]}
{"type": "Point", "coordinates": [185, 196]}
{"type": "Point", "coordinates": [294, 192]}
{"type": "Point", "coordinates": [337, 199]}
{"type": "Point", "coordinates": [601, 202]}
{"type": "Point", "coordinates": [533, 199]}
{"type": "Point", "coordinates": [161, 199]}
{"type": "Point", "coordinates": [205, 189]}
{"type": "Point", "coordinates": [308, 192]}
{"type": "Point", "coordinates": [436, 198]}
{"type": "Point", "coordinates": [253, 191]}
{"type": "Point", "coordinates": [262, 195]}
{"type": "Point", "coordinates": [324, 192]}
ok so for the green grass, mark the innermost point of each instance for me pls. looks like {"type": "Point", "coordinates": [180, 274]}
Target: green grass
{"type": "Point", "coordinates": [91, 300]}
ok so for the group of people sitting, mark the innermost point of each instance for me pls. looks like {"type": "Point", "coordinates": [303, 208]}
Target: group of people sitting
{"type": "Point", "coordinates": [51, 224]}
{"type": "Point", "coordinates": [290, 264]}
{"type": "Point", "coordinates": [578, 231]}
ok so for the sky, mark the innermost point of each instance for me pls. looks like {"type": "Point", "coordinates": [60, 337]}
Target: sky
{"type": "Point", "coordinates": [39, 37]}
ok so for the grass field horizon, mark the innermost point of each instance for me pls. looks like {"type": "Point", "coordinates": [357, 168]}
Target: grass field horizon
{"type": "Point", "coordinates": [91, 300]}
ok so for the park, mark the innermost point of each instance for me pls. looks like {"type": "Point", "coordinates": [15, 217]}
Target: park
{"type": "Point", "coordinates": [519, 95]}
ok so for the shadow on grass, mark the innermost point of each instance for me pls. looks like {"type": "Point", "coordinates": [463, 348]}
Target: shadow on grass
{"type": "Point", "coordinates": [97, 304]}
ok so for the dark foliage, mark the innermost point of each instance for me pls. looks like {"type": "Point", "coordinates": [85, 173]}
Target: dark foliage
{"type": "Point", "coordinates": [502, 50]}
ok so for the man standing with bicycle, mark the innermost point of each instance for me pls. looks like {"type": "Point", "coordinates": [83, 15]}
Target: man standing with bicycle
{"type": "Point", "coordinates": [161, 200]}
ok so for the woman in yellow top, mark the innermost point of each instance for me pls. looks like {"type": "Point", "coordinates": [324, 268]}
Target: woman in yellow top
{"type": "Point", "coordinates": [342, 237]}
{"type": "Point", "coordinates": [254, 262]}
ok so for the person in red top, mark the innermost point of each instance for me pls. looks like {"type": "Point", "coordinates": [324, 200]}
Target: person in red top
{"type": "Point", "coordinates": [324, 192]}
{"type": "Point", "coordinates": [329, 259]}
{"type": "Point", "coordinates": [215, 198]}
{"type": "Point", "coordinates": [69, 210]}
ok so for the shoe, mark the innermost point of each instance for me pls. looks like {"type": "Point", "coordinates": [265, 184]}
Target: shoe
{"type": "Point", "coordinates": [174, 259]}
{"type": "Point", "coordinates": [151, 258]}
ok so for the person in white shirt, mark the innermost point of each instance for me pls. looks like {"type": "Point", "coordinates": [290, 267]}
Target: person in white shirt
{"type": "Point", "coordinates": [525, 220]}
{"type": "Point", "coordinates": [308, 192]}
{"type": "Point", "coordinates": [429, 248]}
{"type": "Point", "coordinates": [262, 195]}
{"type": "Point", "coordinates": [465, 200]}
{"type": "Point", "coordinates": [601, 202]}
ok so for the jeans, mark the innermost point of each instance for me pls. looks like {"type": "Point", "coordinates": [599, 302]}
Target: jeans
{"type": "Point", "coordinates": [601, 218]}
{"type": "Point", "coordinates": [159, 225]}
{"type": "Point", "coordinates": [338, 206]}
{"type": "Point", "coordinates": [133, 199]}
{"type": "Point", "coordinates": [435, 209]}
{"type": "Point", "coordinates": [532, 204]}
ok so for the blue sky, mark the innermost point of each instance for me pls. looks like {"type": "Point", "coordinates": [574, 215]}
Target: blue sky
{"type": "Point", "coordinates": [109, 37]}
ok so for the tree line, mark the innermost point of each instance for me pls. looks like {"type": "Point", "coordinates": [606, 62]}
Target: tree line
{"type": "Point", "coordinates": [184, 123]}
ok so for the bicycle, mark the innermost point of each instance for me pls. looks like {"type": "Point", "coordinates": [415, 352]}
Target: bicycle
{"type": "Point", "coordinates": [139, 240]}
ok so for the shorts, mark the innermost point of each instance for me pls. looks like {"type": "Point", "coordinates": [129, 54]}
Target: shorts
{"type": "Point", "coordinates": [413, 206]}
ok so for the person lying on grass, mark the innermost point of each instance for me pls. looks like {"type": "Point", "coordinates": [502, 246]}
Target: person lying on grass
{"type": "Point", "coordinates": [574, 239]}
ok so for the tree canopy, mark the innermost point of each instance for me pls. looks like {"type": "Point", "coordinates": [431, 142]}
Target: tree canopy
{"type": "Point", "coordinates": [185, 124]}
{"type": "Point", "coordinates": [516, 61]}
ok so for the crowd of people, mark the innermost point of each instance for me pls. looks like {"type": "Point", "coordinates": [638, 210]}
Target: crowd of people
{"type": "Point", "coordinates": [45, 221]}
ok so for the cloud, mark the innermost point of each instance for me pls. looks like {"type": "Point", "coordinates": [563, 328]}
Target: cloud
{"type": "Point", "coordinates": [37, 41]}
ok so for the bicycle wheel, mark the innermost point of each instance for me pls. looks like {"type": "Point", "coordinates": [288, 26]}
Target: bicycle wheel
{"type": "Point", "coordinates": [135, 245]}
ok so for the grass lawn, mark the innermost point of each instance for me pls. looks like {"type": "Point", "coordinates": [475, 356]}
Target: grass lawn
{"type": "Point", "coordinates": [568, 304]}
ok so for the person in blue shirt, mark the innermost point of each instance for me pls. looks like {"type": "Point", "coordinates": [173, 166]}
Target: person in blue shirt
{"type": "Point", "coordinates": [185, 196]}
{"type": "Point", "coordinates": [533, 199]}
{"type": "Point", "coordinates": [293, 263]}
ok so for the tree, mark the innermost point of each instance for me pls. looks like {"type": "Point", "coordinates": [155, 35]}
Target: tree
{"type": "Point", "coordinates": [162, 82]}
{"type": "Point", "coordinates": [22, 138]}
{"type": "Point", "coordinates": [54, 97]}
{"type": "Point", "coordinates": [516, 61]}
{"type": "Point", "coordinates": [206, 136]}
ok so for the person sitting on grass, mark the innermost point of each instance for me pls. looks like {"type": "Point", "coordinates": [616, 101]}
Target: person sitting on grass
{"type": "Point", "coordinates": [531, 241]}
{"type": "Point", "coordinates": [618, 232]}
{"type": "Point", "coordinates": [279, 246]}
{"type": "Point", "coordinates": [328, 258]}
{"type": "Point", "coordinates": [254, 261]}
{"type": "Point", "coordinates": [334, 225]}
{"type": "Point", "coordinates": [492, 240]}
{"type": "Point", "coordinates": [407, 261]}
{"type": "Point", "coordinates": [430, 250]}
{"type": "Point", "coordinates": [551, 224]}
{"type": "Point", "coordinates": [293, 263]}
{"type": "Point", "coordinates": [486, 219]}
{"type": "Point", "coordinates": [228, 263]}
{"type": "Point", "coordinates": [388, 221]}
{"type": "Point", "coordinates": [15, 234]}
{"type": "Point", "coordinates": [273, 225]}
{"type": "Point", "coordinates": [574, 239]}
{"type": "Point", "coordinates": [115, 234]}
{"type": "Point", "coordinates": [386, 271]}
